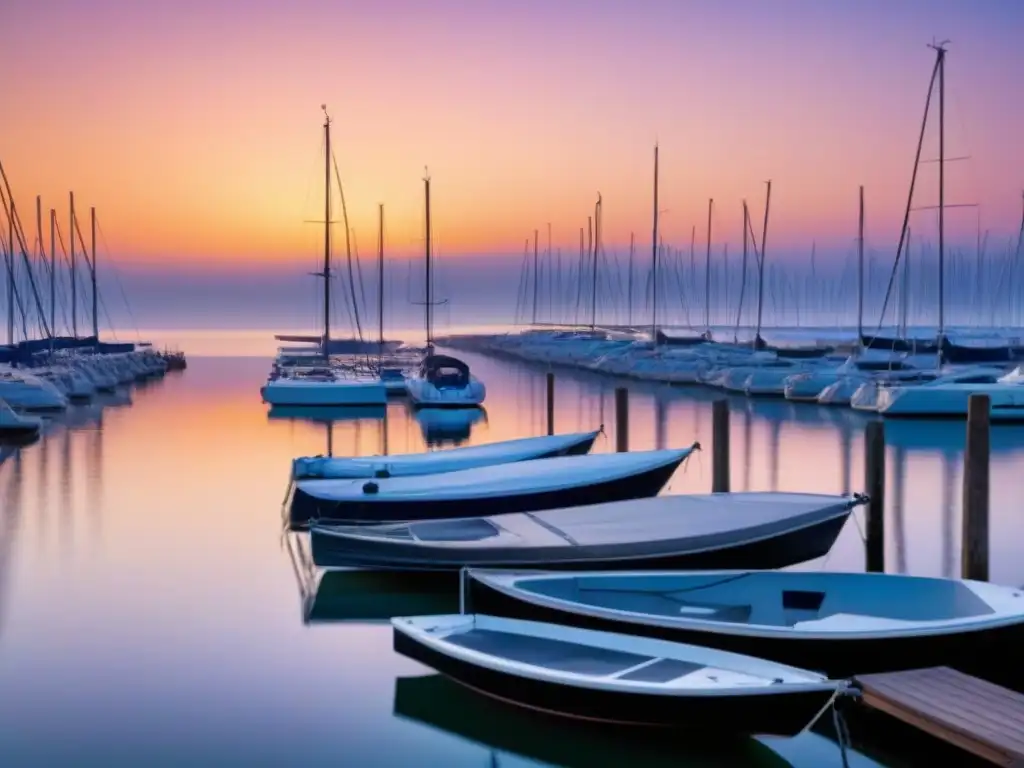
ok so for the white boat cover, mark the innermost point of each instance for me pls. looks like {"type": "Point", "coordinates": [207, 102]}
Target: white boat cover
{"type": "Point", "coordinates": [432, 462]}
{"type": "Point", "coordinates": [523, 477]}
{"type": "Point", "coordinates": [692, 523]}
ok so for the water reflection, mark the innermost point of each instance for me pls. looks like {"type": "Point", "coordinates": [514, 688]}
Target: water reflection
{"type": "Point", "coordinates": [181, 605]}
{"type": "Point", "coordinates": [327, 414]}
{"type": "Point", "coordinates": [355, 595]}
{"type": "Point", "coordinates": [448, 426]}
{"type": "Point", "coordinates": [437, 702]}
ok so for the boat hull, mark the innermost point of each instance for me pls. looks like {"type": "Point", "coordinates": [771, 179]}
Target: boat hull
{"type": "Point", "coordinates": [305, 507]}
{"type": "Point", "coordinates": [783, 713]}
{"type": "Point", "coordinates": [423, 394]}
{"type": "Point", "coordinates": [1006, 403]}
{"type": "Point", "coordinates": [580, 447]}
{"type": "Point", "coordinates": [835, 657]}
{"type": "Point", "coordinates": [369, 393]}
{"type": "Point", "coordinates": [777, 551]}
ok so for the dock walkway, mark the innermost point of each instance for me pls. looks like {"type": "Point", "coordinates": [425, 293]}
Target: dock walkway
{"type": "Point", "coordinates": [977, 716]}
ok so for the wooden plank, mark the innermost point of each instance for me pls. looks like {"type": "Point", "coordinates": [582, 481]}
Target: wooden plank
{"type": "Point", "coordinates": [977, 716]}
{"type": "Point", "coordinates": [937, 696]}
{"type": "Point", "coordinates": [964, 708]}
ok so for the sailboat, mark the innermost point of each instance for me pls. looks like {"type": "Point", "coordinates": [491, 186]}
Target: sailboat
{"type": "Point", "coordinates": [442, 381]}
{"type": "Point", "coordinates": [322, 384]}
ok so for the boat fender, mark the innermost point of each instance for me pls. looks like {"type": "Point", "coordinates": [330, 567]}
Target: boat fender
{"type": "Point", "coordinates": [370, 487]}
{"type": "Point", "coordinates": [383, 472]}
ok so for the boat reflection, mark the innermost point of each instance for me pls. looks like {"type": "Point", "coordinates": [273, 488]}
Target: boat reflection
{"type": "Point", "coordinates": [448, 426]}
{"type": "Point", "coordinates": [327, 414]}
{"type": "Point", "coordinates": [436, 701]}
{"type": "Point", "coordinates": [362, 596]}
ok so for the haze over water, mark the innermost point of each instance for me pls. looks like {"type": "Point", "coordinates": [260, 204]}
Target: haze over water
{"type": "Point", "coordinates": [150, 611]}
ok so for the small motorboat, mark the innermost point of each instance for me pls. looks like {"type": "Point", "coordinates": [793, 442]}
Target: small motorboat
{"type": "Point", "coordinates": [614, 678]}
{"type": "Point", "coordinates": [16, 428]}
{"type": "Point", "coordinates": [432, 462]}
{"type": "Point", "coordinates": [719, 530]}
{"type": "Point", "coordinates": [523, 486]}
{"type": "Point", "coordinates": [445, 382]}
{"type": "Point", "coordinates": [842, 624]}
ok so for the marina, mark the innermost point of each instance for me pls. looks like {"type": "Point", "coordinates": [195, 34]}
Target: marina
{"type": "Point", "coordinates": [347, 478]}
{"type": "Point", "coordinates": [278, 590]}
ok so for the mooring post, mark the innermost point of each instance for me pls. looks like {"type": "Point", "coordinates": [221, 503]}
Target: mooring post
{"type": "Point", "coordinates": [551, 403]}
{"type": "Point", "coordinates": [974, 546]}
{"type": "Point", "coordinates": [874, 486]}
{"type": "Point", "coordinates": [720, 446]}
{"type": "Point", "coordinates": [621, 419]}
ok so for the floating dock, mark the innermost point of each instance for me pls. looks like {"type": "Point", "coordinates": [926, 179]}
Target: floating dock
{"type": "Point", "coordinates": [979, 717]}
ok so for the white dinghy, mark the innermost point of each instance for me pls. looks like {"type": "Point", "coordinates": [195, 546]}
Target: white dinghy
{"type": "Point", "coordinates": [523, 486]}
{"type": "Point", "coordinates": [614, 678]}
{"type": "Point", "coordinates": [719, 530]}
{"type": "Point", "coordinates": [433, 462]}
{"type": "Point", "coordinates": [840, 623]}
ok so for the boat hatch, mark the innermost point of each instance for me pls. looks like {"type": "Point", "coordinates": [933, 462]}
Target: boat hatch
{"type": "Point", "coordinates": [472, 529]}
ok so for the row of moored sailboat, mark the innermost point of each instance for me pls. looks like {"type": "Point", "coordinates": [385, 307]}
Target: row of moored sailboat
{"type": "Point", "coordinates": [50, 383]}
{"type": "Point", "coordinates": [887, 376]}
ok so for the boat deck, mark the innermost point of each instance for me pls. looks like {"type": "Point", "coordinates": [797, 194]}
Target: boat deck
{"type": "Point", "coordinates": [977, 716]}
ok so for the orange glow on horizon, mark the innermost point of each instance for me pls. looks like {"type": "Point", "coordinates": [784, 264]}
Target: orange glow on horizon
{"type": "Point", "coordinates": [197, 147]}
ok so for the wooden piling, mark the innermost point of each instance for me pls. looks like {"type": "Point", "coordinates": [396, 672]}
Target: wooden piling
{"type": "Point", "coordinates": [720, 446]}
{"type": "Point", "coordinates": [621, 419]}
{"type": "Point", "coordinates": [975, 536]}
{"type": "Point", "coordinates": [551, 403]}
{"type": "Point", "coordinates": [874, 486]}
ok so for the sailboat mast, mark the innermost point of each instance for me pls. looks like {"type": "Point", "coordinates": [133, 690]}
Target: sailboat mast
{"type": "Point", "coordinates": [860, 270]}
{"type": "Point", "coordinates": [654, 257]}
{"type": "Point", "coordinates": [707, 272]}
{"type": "Point", "coordinates": [905, 298]}
{"type": "Point", "coordinates": [597, 249]}
{"type": "Point", "coordinates": [551, 279]}
{"type": "Point", "coordinates": [327, 233]}
{"type": "Point", "coordinates": [629, 283]}
{"type": "Point", "coordinates": [92, 270]}
{"type": "Point", "coordinates": [743, 275]}
{"type": "Point", "coordinates": [429, 294]}
{"type": "Point", "coordinates": [74, 287]}
{"type": "Point", "coordinates": [53, 275]}
{"type": "Point", "coordinates": [941, 51]}
{"type": "Point", "coordinates": [590, 247]}
{"type": "Point", "coordinates": [536, 277]}
{"type": "Point", "coordinates": [10, 272]}
{"type": "Point", "coordinates": [760, 276]}
{"type": "Point", "coordinates": [380, 278]}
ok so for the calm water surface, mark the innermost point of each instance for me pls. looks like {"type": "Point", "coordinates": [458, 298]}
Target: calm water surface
{"type": "Point", "coordinates": [152, 611]}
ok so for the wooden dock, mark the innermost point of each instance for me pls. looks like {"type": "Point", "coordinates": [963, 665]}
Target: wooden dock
{"type": "Point", "coordinates": [977, 716]}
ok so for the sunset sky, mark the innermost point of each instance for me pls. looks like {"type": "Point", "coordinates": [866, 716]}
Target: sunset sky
{"type": "Point", "coordinates": [195, 127]}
